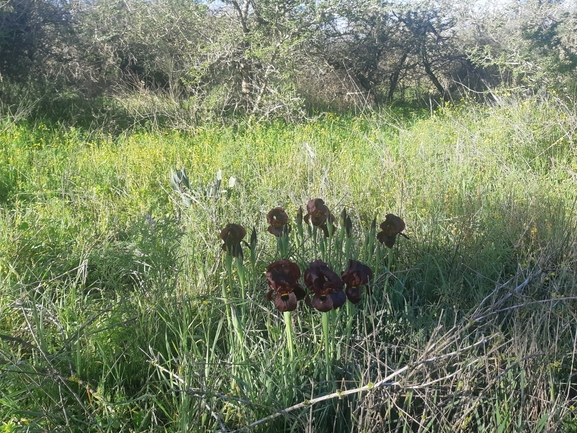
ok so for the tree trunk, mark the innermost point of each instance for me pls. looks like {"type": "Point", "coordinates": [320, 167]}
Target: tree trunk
{"type": "Point", "coordinates": [394, 80]}
{"type": "Point", "coordinates": [432, 75]}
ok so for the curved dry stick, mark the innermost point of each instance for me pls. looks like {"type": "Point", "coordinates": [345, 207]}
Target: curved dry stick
{"type": "Point", "coordinates": [384, 382]}
{"type": "Point", "coordinates": [381, 383]}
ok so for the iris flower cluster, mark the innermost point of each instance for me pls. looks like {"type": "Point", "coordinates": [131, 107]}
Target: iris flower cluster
{"type": "Point", "coordinates": [327, 289]}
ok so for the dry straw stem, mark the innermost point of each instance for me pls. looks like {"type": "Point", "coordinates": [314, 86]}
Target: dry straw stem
{"type": "Point", "coordinates": [478, 316]}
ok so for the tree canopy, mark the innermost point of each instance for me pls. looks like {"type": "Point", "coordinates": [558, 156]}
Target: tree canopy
{"type": "Point", "coordinates": [189, 60]}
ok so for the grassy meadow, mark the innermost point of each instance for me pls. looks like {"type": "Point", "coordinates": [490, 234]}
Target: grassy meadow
{"type": "Point", "coordinates": [120, 311]}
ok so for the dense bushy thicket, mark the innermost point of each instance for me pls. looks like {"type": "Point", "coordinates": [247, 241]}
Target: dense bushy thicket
{"type": "Point", "coordinates": [181, 61]}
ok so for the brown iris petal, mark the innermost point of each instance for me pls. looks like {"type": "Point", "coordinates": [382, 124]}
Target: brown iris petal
{"type": "Point", "coordinates": [339, 298]}
{"type": "Point", "coordinates": [322, 303]}
{"type": "Point", "coordinates": [317, 207]}
{"type": "Point", "coordinates": [232, 235]}
{"type": "Point", "coordinates": [391, 227]}
{"type": "Point", "coordinates": [277, 220]}
{"type": "Point", "coordinates": [326, 286]}
{"type": "Point", "coordinates": [285, 301]}
{"type": "Point", "coordinates": [389, 241]}
{"type": "Point", "coordinates": [319, 215]}
{"type": "Point", "coordinates": [357, 274]}
{"type": "Point", "coordinates": [320, 277]}
{"type": "Point", "coordinates": [299, 292]}
{"type": "Point", "coordinates": [282, 273]}
{"type": "Point", "coordinates": [282, 276]}
{"type": "Point", "coordinates": [354, 294]}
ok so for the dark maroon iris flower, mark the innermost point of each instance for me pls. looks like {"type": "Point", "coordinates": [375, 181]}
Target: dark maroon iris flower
{"type": "Point", "coordinates": [391, 227]}
{"type": "Point", "coordinates": [326, 286]}
{"type": "Point", "coordinates": [355, 277]}
{"type": "Point", "coordinates": [232, 235]}
{"type": "Point", "coordinates": [284, 289]}
{"type": "Point", "coordinates": [277, 220]}
{"type": "Point", "coordinates": [319, 215]}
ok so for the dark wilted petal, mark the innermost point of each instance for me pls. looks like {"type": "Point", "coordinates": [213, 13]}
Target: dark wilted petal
{"type": "Point", "coordinates": [319, 276]}
{"type": "Point", "coordinates": [354, 294]}
{"type": "Point", "coordinates": [317, 207]}
{"type": "Point", "coordinates": [283, 273]}
{"type": "Point", "coordinates": [322, 303]}
{"type": "Point", "coordinates": [319, 215]}
{"type": "Point", "coordinates": [392, 225]}
{"type": "Point", "coordinates": [299, 292]}
{"type": "Point", "coordinates": [232, 234]}
{"type": "Point", "coordinates": [285, 301]}
{"type": "Point", "coordinates": [357, 274]}
{"type": "Point", "coordinates": [326, 286]}
{"type": "Point", "coordinates": [338, 297]}
{"type": "Point", "coordinates": [389, 241]}
{"type": "Point", "coordinates": [277, 219]}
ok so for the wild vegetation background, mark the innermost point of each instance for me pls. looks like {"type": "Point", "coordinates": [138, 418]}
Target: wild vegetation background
{"type": "Point", "coordinates": [132, 132]}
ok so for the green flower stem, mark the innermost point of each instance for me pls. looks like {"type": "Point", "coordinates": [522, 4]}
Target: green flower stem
{"type": "Point", "coordinates": [348, 244]}
{"type": "Point", "coordinates": [282, 245]}
{"type": "Point", "coordinates": [253, 259]}
{"type": "Point", "coordinates": [350, 308]}
{"type": "Point", "coordinates": [340, 240]}
{"type": "Point", "coordinates": [314, 241]}
{"type": "Point", "coordinates": [328, 347]}
{"type": "Point", "coordinates": [241, 275]}
{"type": "Point", "coordinates": [228, 267]}
{"type": "Point", "coordinates": [234, 323]}
{"type": "Point", "coordinates": [241, 271]}
{"type": "Point", "coordinates": [390, 254]}
{"type": "Point", "coordinates": [289, 335]}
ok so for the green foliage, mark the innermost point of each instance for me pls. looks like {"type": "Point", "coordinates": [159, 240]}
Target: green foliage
{"type": "Point", "coordinates": [116, 64]}
{"type": "Point", "coordinates": [119, 310]}
{"type": "Point", "coordinates": [535, 51]}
